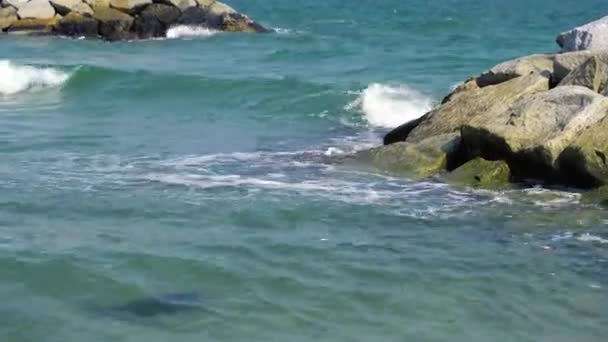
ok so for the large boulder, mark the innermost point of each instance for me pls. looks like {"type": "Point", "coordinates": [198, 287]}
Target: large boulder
{"type": "Point", "coordinates": [36, 9]}
{"type": "Point", "coordinates": [8, 15]}
{"type": "Point", "coordinates": [77, 25]}
{"type": "Point", "coordinates": [515, 68]}
{"type": "Point", "coordinates": [64, 7]}
{"type": "Point", "coordinates": [113, 24]}
{"type": "Point", "coordinates": [415, 160]}
{"type": "Point", "coordinates": [33, 26]}
{"type": "Point", "coordinates": [481, 173]}
{"type": "Point", "coordinates": [565, 63]}
{"type": "Point", "coordinates": [592, 36]}
{"type": "Point", "coordinates": [155, 20]}
{"type": "Point", "coordinates": [533, 132]}
{"type": "Point", "coordinates": [586, 158]}
{"type": "Point", "coordinates": [237, 22]}
{"type": "Point", "coordinates": [483, 103]}
{"type": "Point", "coordinates": [592, 74]}
{"type": "Point", "coordinates": [197, 16]}
{"type": "Point", "coordinates": [129, 6]}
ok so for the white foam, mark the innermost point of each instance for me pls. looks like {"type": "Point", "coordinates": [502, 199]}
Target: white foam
{"type": "Point", "coordinates": [591, 238]}
{"type": "Point", "coordinates": [185, 31]}
{"type": "Point", "coordinates": [17, 78]}
{"type": "Point", "coordinates": [391, 106]}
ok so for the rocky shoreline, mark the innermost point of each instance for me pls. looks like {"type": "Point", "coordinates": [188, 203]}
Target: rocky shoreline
{"type": "Point", "coordinates": [539, 119]}
{"type": "Point", "coordinates": [119, 19]}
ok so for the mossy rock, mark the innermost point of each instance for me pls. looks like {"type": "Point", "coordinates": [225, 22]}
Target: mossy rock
{"type": "Point", "coordinates": [33, 26]}
{"type": "Point", "coordinates": [413, 160]}
{"type": "Point", "coordinates": [483, 174]}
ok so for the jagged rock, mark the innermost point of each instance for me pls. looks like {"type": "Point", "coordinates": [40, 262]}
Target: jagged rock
{"type": "Point", "coordinates": [154, 20]}
{"type": "Point", "coordinates": [129, 6]}
{"type": "Point", "coordinates": [196, 16]}
{"type": "Point", "coordinates": [113, 24]}
{"type": "Point", "coordinates": [592, 36]}
{"type": "Point", "coordinates": [564, 63]}
{"type": "Point", "coordinates": [33, 26]}
{"type": "Point", "coordinates": [515, 68]}
{"type": "Point", "coordinates": [36, 9]}
{"type": "Point", "coordinates": [468, 85]}
{"type": "Point", "coordinates": [483, 104]}
{"type": "Point", "coordinates": [181, 4]}
{"type": "Point", "coordinates": [401, 133]}
{"type": "Point", "coordinates": [592, 74]}
{"type": "Point", "coordinates": [533, 132]}
{"type": "Point", "coordinates": [236, 22]}
{"type": "Point", "coordinates": [481, 173]}
{"type": "Point", "coordinates": [83, 8]}
{"type": "Point", "coordinates": [586, 158]}
{"type": "Point", "coordinates": [415, 160]}
{"type": "Point", "coordinates": [8, 15]}
{"type": "Point", "coordinates": [220, 8]}
{"type": "Point", "coordinates": [14, 3]}
{"type": "Point", "coordinates": [77, 25]}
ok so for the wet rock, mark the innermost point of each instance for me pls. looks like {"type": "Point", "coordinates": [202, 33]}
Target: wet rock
{"type": "Point", "coordinates": [77, 25]}
{"type": "Point", "coordinates": [414, 160]}
{"type": "Point", "coordinates": [481, 173]}
{"type": "Point", "coordinates": [155, 20]}
{"type": "Point", "coordinates": [113, 24]}
{"type": "Point", "coordinates": [196, 16]}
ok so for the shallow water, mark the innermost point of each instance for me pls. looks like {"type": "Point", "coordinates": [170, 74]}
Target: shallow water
{"type": "Point", "coordinates": [203, 165]}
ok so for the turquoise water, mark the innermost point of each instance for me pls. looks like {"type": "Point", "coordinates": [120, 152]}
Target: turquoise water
{"type": "Point", "coordinates": [186, 189]}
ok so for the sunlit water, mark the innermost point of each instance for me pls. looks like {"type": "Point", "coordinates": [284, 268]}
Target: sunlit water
{"type": "Point", "coordinates": [186, 189]}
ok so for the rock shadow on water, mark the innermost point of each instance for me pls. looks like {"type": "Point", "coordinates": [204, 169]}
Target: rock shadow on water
{"type": "Point", "coordinates": [170, 304]}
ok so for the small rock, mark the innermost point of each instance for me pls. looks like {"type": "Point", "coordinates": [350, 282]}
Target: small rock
{"type": "Point", "coordinates": [515, 68]}
{"type": "Point", "coordinates": [36, 9]}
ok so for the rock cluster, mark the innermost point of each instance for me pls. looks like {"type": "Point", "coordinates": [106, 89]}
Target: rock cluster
{"type": "Point", "coordinates": [540, 119]}
{"type": "Point", "coordinates": [119, 19]}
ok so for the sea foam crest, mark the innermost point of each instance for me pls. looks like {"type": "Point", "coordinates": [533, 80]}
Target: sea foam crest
{"type": "Point", "coordinates": [186, 31]}
{"type": "Point", "coordinates": [17, 78]}
{"type": "Point", "coordinates": [391, 106]}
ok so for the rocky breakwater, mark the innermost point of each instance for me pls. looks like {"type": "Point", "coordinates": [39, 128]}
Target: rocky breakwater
{"type": "Point", "coordinates": [540, 119]}
{"type": "Point", "coordinates": [119, 19]}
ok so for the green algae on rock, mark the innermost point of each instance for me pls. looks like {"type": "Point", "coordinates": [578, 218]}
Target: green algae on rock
{"type": "Point", "coordinates": [481, 173]}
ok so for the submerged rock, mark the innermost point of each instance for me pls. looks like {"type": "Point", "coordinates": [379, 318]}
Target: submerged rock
{"type": "Point", "coordinates": [168, 304]}
{"type": "Point", "coordinates": [592, 36]}
{"type": "Point", "coordinates": [415, 160]}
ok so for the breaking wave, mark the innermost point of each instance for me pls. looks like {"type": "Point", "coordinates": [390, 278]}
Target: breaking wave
{"type": "Point", "coordinates": [16, 78]}
{"type": "Point", "coordinates": [185, 31]}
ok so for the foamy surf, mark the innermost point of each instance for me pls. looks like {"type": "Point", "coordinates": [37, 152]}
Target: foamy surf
{"type": "Point", "coordinates": [185, 31]}
{"type": "Point", "coordinates": [16, 78]}
{"type": "Point", "coordinates": [391, 106]}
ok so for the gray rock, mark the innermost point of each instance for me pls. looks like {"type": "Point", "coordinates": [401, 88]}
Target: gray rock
{"type": "Point", "coordinates": [77, 25]}
{"type": "Point", "coordinates": [592, 36]}
{"type": "Point", "coordinates": [181, 4]}
{"type": "Point", "coordinates": [36, 9]}
{"type": "Point", "coordinates": [592, 74]}
{"type": "Point", "coordinates": [113, 24]}
{"type": "Point", "coordinates": [14, 3]}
